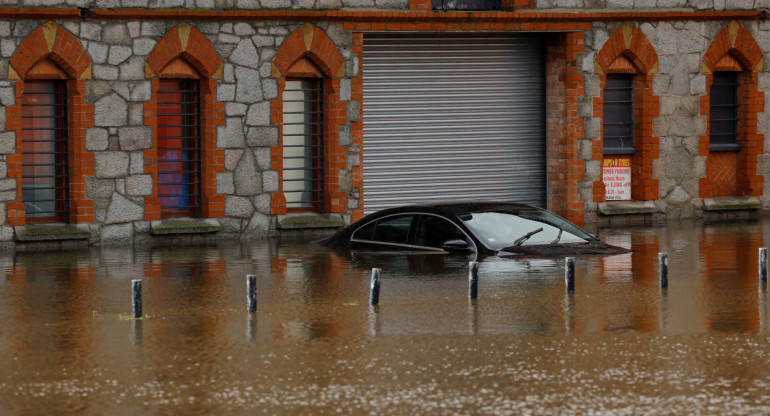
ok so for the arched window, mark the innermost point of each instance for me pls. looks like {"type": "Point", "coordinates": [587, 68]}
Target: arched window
{"type": "Point", "coordinates": [732, 144]}
{"type": "Point", "coordinates": [308, 158]}
{"type": "Point", "coordinates": [184, 67]}
{"type": "Point", "coordinates": [627, 63]}
{"type": "Point", "coordinates": [50, 120]}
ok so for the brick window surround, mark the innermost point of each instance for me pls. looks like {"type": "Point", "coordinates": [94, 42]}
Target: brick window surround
{"type": "Point", "coordinates": [734, 173]}
{"type": "Point", "coordinates": [309, 53]}
{"type": "Point", "coordinates": [628, 51]}
{"type": "Point", "coordinates": [52, 53]}
{"type": "Point", "coordinates": [184, 53]}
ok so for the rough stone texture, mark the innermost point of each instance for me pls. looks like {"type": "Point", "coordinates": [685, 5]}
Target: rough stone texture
{"type": "Point", "coordinates": [238, 206]}
{"type": "Point", "coordinates": [119, 234]}
{"type": "Point", "coordinates": [111, 164]}
{"type": "Point", "coordinates": [135, 138]}
{"type": "Point", "coordinates": [247, 179]}
{"type": "Point", "coordinates": [99, 188]}
{"type": "Point", "coordinates": [139, 185]}
{"type": "Point", "coordinates": [248, 89]}
{"type": "Point", "coordinates": [231, 134]}
{"type": "Point", "coordinates": [111, 111]}
{"type": "Point", "coordinates": [122, 210]}
{"type": "Point", "coordinates": [259, 114]}
{"type": "Point", "coordinates": [245, 54]}
{"type": "Point", "coordinates": [7, 143]}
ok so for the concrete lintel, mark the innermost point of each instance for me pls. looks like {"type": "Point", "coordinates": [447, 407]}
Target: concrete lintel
{"type": "Point", "coordinates": [51, 232]}
{"type": "Point", "coordinates": [627, 207]}
{"type": "Point", "coordinates": [185, 226]}
{"type": "Point", "coordinates": [309, 220]}
{"type": "Point", "coordinates": [731, 203]}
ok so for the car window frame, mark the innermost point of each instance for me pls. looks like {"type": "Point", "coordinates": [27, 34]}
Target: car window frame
{"type": "Point", "coordinates": [412, 229]}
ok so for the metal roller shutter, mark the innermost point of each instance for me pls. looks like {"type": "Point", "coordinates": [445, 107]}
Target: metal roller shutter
{"type": "Point", "coordinates": [453, 117]}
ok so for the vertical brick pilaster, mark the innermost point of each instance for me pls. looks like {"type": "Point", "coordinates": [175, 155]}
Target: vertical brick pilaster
{"type": "Point", "coordinates": [563, 87]}
{"type": "Point", "coordinates": [81, 162]}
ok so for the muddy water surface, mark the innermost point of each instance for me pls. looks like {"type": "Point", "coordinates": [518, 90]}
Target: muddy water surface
{"type": "Point", "coordinates": [619, 345]}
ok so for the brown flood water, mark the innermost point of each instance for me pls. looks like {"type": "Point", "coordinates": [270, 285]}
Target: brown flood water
{"type": "Point", "coordinates": [619, 345]}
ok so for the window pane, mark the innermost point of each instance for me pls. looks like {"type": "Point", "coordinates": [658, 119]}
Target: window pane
{"type": "Point", "coordinates": [393, 229]}
{"type": "Point", "coordinates": [44, 151]}
{"type": "Point", "coordinates": [618, 120]}
{"type": "Point", "coordinates": [723, 120]}
{"type": "Point", "coordinates": [434, 231]}
{"type": "Point", "coordinates": [178, 148]}
{"type": "Point", "coordinates": [302, 144]}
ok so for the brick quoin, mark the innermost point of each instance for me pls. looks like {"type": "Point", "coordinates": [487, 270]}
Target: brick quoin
{"type": "Point", "coordinates": [193, 59]}
{"type": "Point", "coordinates": [734, 49]}
{"type": "Point", "coordinates": [563, 87]}
{"type": "Point", "coordinates": [628, 51]}
{"type": "Point", "coordinates": [320, 60]}
{"type": "Point", "coordinates": [66, 60]}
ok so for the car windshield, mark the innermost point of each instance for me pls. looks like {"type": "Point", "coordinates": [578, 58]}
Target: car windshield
{"type": "Point", "coordinates": [525, 227]}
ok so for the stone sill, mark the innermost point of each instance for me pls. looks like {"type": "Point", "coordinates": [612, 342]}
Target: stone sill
{"type": "Point", "coordinates": [51, 232]}
{"type": "Point", "coordinates": [627, 207]}
{"type": "Point", "coordinates": [731, 203]}
{"type": "Point", "coordinates": [309, 220]}
{"type": "Point", "coordinates": [184, 226]}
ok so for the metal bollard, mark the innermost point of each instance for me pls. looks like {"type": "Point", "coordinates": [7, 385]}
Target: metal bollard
{"type": "Point", "coordinates": [374, 293]}
{"type": "Point", "coordinates": [136, 297]}
{"type": "Point", "coordinates": [251, 292]}
{"type": "Point", "coordinates": [763, 264]}
{"type": "Point", "coordinates": [569, 275]}
{"type": "Point", "coordinates": [663, 270]}
{"type": "Point", "coordinates": [473, 280]}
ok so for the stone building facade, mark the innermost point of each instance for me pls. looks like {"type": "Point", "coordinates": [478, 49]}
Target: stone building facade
{"type": "Point", "coordinates": [115, 59]}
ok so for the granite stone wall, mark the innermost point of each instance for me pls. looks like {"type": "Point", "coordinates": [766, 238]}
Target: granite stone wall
{"type": "Point", "coordinates": [679, 83]}
{"type": "Point", "coordinates": [119, 89]}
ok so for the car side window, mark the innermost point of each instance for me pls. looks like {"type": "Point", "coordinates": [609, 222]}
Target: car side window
{"type": "Point", "coordinates": [365, 233]}
{"type": "Point", "coordinates": [434, 231]}
{"type": "Point", "coordinates": [393, 229]}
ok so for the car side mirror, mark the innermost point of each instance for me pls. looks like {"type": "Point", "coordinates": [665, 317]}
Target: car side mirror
{"type": "Point", "coordinates": [455, 245]}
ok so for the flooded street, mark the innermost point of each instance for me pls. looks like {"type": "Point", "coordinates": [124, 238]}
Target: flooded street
{"type": "Point", "coordinates": [618, 345]}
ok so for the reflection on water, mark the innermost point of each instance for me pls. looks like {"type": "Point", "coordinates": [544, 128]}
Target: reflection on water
{"type": "Point", "coordinates": [619, 344]}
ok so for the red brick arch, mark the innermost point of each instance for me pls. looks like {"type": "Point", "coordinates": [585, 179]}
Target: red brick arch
{"type": "Point", "coordinates": [733, 43]}
{"type": "Point", "coordinates": [312, 43]}
{"type": "Point", "coordinates": [187, 43]}
{"type": "Point", "coordinates": [628, 51]}
{"type": "Point", "coordinates": [54, 43]}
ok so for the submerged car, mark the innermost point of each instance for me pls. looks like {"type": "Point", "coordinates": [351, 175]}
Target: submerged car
{"type": "Point", "coordinates": [488, 228]}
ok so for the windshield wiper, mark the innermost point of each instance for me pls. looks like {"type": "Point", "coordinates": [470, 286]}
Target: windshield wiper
{"type": "Point", "coordinates": [558, 237]}
{"type": "Point", "coordinates": [526, 236]}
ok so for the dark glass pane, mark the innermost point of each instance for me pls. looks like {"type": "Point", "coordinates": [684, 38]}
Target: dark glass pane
{"type": "Point", "coordinates": [393, 229]}
{"type": "Point", "coordinates": [618, 109]}
{"type": "Point", "coordinates": [434, 231]}
{"type": "Point", "coordinates": [365, 233]}
{"type": "Point", "coordinates": [723, 120]}
{"type": "Point", "coordinates": [178, 147]}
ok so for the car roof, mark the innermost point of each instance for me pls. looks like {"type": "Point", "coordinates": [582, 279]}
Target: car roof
{"type": "Point", "coordinates": [463, 207]}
